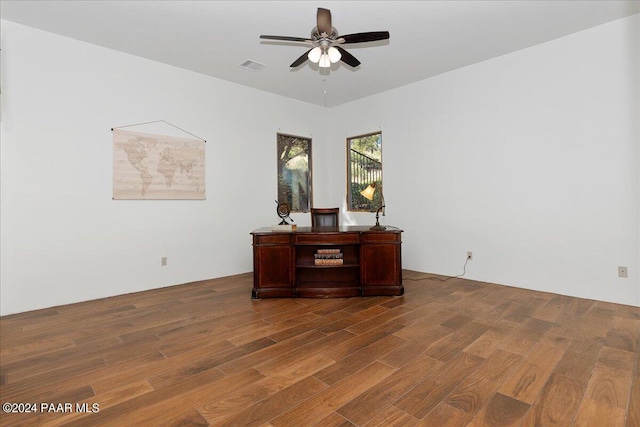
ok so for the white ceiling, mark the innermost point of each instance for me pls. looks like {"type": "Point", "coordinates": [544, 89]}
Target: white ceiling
{"type": "Point", "coordinates": [214, 37]}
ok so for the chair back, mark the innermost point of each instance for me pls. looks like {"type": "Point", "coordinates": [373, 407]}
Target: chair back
{"type": "Point", "coordinates": [324, 217]}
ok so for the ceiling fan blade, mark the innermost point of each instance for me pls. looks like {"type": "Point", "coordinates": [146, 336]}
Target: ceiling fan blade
{"type": "Point", "coordinates": [286, 39]}
{"type": "Point", "coordinates": [347, 58]}
{"type": "Point", "coordinates": [365, 37]}
{"type": "Point", "coordinates": [303, 58]}
{"type": "Point", "coordinates": [324, 21]}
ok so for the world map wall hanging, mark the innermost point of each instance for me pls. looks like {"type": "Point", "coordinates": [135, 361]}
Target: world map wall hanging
{"type": "Point", "coordinates": [148, 166]}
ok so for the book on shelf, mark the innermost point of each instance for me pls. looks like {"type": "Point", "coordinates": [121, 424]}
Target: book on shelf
{"type": "Point", "coordinates": [329, 261]}
{"type": "Point", "coordinates": [328, 256]}
{"type": "Point", "coordinates": [281, 227]}
{"type": "Point", "coordinates": [329, 251]}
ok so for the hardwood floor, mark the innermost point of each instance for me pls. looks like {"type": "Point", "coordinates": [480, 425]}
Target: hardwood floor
{"type": "Point", "coordinates": [454, 353]}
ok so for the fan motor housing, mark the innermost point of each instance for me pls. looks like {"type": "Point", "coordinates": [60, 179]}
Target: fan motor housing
{"type": "Point", "coordinates": [316, 36]}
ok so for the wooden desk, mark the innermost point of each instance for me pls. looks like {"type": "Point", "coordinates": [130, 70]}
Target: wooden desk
{"type": "Point", "coordinates": [284, 263]}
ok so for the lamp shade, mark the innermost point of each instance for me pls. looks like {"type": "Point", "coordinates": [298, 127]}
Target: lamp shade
{"type": "Point", "coordinates": [314, 54]}
{"type": "Point", "coordinates": [324, 61]}
{"type": "Point", "coordinates": [334, 55]}
{"type": "Point", "coordinates": [368, 192]}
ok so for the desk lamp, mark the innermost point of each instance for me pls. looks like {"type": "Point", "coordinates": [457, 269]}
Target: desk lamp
{"type": "Point", "coordinates": [367, 193]}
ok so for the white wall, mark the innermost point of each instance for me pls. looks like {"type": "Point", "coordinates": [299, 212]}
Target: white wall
{"type": "Point", "coordinates": [63, 238]}
{"type": "Point", "coordinates": [530, 160]}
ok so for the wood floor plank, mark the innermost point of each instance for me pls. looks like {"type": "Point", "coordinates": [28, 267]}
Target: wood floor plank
{"type": "Point", "coordinates": [527, 380]}
{"type": "Point", "coordinates": [359, 342]}
{"type": "Point", "coordinates": [444, 415]}
{"type": "Point", "coordinates": [234, 402]}
{"type": "Point", "coordinates": [559, 336]}
{"type": "Point", "coordinates": [40, 389]}
{"type": "Point", "coordinates": [392, 417]}
{"type": "Point", "coordinates": [276, 404]}
{"type": "Point", "coordinates": [453, 344]}
{"type": "Point", "coordinates": [276, 365]}
{"type": "Point", "coordinates": [353, 319]}
{"type": "Point", "coordinates": [623, 334]}
{"type": "Point", "coordinates": [57, 373]}
{"type": "Point", "coordinates": [104, 400]}
{"type": "Point", "coordinates": [500, 411]}
{"type": "Point", "coordinates": [448, 353]}
{"type": "Point", "coordinates": [404, 352]}
{"type": "Point", "coordinates": [579, 359]}
{"type": "Point", "coordinates": [190, 418]}
{"type": "Point", "coordinates": [558, 403]}
{"type": "Point", "coordinates": [487, 343]}
{"type": "Point", "coordinates": [158, 406]}
{"type": "Point", "coordinates": [474, 392]}
{"type": "Point", "coordinates": [429, 393]}
{"type": "Point", "coordinates": [378, 398]}
{"type": "Point", "coordinates": [520, 340]}
{"type": "Point", "coordinates": [32, 366]}
{"type": "Point", "coordinates": [610, 383]}
{"type": "Point", "coordinates": [314, 325]}
{"type": "Point", "coordinates": [322, 404]}
{"type": "Point", "coordinates": [335, 420]}
{"type": "Point", "coordinates": [421, 327]}
{"type": "Point", "coordinates": [633, 419]}
{"type": "Point", "coordinates": [596, 414]}
{"type": "Point", "coordinates": [597, 321]}
{"type": "Point", "coordinates": [379, 320]}
{"type": "Point", "coordinates": [245, 362]}
{"type": "Point", "coordinates": [253, 331]}
{"type": "Point", "coordinates": [356, 361]}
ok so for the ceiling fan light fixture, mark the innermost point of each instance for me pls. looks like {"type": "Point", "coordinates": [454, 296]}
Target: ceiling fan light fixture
{"type": "Point", "coordinates": [334, 55]}
{"type": "Point", "coordinates": [314, 54]}
{"type": "Point", "coordinates": [323, 37]}
{"type": "Point", "coordinates": [325, 62]}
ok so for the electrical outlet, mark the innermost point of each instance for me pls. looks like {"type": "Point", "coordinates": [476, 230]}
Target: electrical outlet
{"type": "Point", "coordinates": [622, 271]}
{"type": "Point", "coordinates": [469, 255]}
{"type": "Point", "coordinates": [163, 261]}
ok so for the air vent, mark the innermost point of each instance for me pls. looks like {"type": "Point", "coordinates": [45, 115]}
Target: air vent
{"type": "Point", "coordinates": [252, 65]}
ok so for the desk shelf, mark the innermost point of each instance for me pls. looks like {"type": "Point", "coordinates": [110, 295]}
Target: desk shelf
{"type": "Point", "coordinates": [305, 255]}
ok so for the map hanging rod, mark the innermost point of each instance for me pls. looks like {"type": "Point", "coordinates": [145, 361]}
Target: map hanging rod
{"type": "Point", "coordinates": [158, 121]}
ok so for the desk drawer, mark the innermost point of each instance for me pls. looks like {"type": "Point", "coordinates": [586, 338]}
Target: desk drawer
{"type": "Point", "coordinates": [380, 237]}
{"type": "Point", "coordinates": [272, 239]}
{"type": "Point", "coordinates": [327, 239]}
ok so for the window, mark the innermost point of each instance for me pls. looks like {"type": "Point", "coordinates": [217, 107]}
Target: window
{"type": "Point", "coordinates": [294, 172]}
{"type": "Point", "coordinates": [364, 154]}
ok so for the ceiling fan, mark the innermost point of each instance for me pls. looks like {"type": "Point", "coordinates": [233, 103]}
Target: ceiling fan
{"type": "Point", "coordinates": [326, 43]}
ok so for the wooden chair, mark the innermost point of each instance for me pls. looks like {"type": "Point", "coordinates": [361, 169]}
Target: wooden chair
{"type": "Point", "coordinates": [325, 217]}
